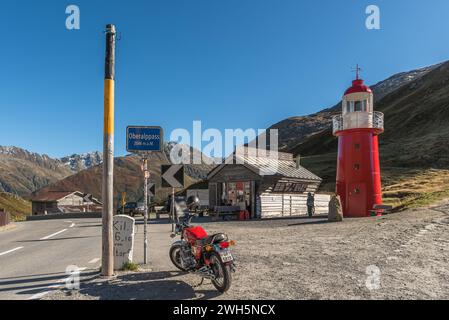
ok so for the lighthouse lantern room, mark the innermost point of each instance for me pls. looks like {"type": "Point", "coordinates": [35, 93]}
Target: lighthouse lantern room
{"type": "Point", "coordinates": [358, 168]}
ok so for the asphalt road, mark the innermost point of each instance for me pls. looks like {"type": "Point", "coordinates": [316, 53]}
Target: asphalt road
{"type": "Point", "coordinates": [34, 255]}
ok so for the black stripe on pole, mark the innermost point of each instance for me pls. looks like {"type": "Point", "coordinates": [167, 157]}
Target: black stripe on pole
{"type": "Point", "coordinates": [109, 72]}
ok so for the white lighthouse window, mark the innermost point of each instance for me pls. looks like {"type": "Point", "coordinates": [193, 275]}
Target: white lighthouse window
{"type": "Point", "coordinates": [360, 106]}
{"type": "Point", "coordinates": [349, 106]}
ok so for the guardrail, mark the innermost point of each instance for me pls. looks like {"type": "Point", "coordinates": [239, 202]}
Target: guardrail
{"type": "Point", "coordinates": [356, 120]}
{"type": "Point", "coordinates": [77, 215]}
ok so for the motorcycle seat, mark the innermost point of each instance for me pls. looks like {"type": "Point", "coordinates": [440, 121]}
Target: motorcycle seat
{"type": "Point", "coordinates": [215, 238]}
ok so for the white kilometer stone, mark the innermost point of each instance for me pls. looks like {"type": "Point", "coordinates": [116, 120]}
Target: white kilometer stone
{"type": "Point", "coordinates": [123, 240]}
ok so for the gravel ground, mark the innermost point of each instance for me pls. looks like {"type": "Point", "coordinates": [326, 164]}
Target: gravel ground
{"type": "Point", "coordinates": [399, 256]}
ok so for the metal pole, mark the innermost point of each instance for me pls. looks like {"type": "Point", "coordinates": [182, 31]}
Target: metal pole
{"type": "Point", "coordinates": [107, 260]}
{"type": "Point", "coordinates": [172, 210]}
{"type": "Point", "coordinates": [145, 222]}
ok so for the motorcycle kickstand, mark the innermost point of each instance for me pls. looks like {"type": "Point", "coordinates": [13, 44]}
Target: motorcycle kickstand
{"type": "Point", "coordinates": [200, 284]}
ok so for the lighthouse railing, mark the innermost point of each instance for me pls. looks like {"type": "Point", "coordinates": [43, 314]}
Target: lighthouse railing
{"type": "Point", "coordinates": [355, 120]}
{"type": "Point", "coordinates": [378, 120]}
{"type": "Point", "coordinates": [337, 123]}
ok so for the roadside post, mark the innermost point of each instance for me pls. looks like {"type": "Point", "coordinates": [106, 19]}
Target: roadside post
{"type": "Point", "coordinates": [143, 140]}
{"type": "Point", "coordinates": [172, 177]}
{"type": "Point", "coordinates": [107, 261]}
{"type": "Point", "coordinates": [146, 174]}
{"type": "Point", "coordinates": [172, 209]}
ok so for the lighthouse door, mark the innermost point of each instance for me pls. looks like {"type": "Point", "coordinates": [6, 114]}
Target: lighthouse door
{"type": "Point", "coordinates": [357, 200]}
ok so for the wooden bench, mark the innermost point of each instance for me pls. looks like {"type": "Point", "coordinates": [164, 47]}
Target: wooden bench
{"type": "Point", "coordinates": [226, 211]}
{"type": "Point", "coordinates": [379, 209]}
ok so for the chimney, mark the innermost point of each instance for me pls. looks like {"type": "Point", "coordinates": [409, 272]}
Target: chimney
{"type": "Point", "coordinates": [298, 161]}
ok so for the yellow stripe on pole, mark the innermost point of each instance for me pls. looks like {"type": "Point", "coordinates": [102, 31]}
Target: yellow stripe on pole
{"type": "Point", "coordinates": [108, 106]}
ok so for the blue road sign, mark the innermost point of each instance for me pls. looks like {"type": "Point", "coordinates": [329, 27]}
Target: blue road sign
{"type": "Point", "coordinates": [144, 139]}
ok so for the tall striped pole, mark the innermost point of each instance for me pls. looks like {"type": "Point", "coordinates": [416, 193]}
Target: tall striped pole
{"type": "Point", "coordinates": [107, 265]}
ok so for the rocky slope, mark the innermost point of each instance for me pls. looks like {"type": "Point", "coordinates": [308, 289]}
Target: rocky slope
{"type": "Point", "coordinates": [78, 162]}
{"type": "Point", "coordinates": [22, 171]}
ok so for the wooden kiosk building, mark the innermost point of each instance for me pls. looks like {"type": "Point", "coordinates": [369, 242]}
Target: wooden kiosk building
{"type": "Point", "coordinates": [268, 185]}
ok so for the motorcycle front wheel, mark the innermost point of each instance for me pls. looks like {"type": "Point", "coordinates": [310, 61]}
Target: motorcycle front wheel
{"type": "Point", "coordinates": [222, 272]}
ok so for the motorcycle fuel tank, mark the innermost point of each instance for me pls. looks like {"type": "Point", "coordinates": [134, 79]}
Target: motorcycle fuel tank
{"type": "Point", "coordinates": [195, 233]}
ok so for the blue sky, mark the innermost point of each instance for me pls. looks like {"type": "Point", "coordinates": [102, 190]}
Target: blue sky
{"type": "Point", "coordinates": [231, 64]}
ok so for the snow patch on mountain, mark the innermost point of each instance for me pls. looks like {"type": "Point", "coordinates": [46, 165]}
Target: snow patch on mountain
{"type": "Point", "coordinates": [78, 162]}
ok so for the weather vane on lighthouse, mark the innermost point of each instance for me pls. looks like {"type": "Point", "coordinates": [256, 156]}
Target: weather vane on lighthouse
{"type": "Point", "coordinates": [357, 71]}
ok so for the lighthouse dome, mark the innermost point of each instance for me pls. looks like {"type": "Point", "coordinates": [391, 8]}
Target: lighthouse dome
{"type": "Point", "coordinates": [358, 87]}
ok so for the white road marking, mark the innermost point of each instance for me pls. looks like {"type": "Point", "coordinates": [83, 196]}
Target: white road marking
{"type": "Point", "coordinates": [53, 234]}
{"type": "Point", "coordinates": [72, 225]}
{"type": "Point", "coordinates": [94, 260]}
{"type": "Point", "coordinates": [38, 295]}
{"type": "Point", "coordinates": [9, 251]}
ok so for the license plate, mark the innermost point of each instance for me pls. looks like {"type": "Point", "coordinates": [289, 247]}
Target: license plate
{"type": "Point", "coordinates": [226, 256]}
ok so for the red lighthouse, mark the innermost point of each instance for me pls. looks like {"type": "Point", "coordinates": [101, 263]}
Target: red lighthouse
{"type": "Point", "coordinates": [358, 169]}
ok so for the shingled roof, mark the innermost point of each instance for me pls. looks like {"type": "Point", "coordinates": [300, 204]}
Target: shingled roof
{"type": "Point", "coordinates": [268, 164]}
{"type": "Point", "coordinates": [53, 196]}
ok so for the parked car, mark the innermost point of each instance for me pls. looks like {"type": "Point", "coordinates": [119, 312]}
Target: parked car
{"type": "Point", "coordinates": [141, 208]}
{"type": "Point", "coordinates": [131, 209]}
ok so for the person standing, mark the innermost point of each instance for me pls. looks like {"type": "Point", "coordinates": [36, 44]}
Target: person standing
{"type": "Point", "coordinates": [310, 204]}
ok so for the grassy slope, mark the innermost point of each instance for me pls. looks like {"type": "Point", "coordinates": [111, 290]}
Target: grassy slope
{"type": "Point", "coordinates": [15, 205]}
{"type": "Point", "coordinates": [402, 187]}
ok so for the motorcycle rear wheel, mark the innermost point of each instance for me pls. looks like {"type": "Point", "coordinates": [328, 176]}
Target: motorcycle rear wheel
{"type": "Point", "coordinates": [222, 272]}
{"type": "Point", "coordinates": [175, 257]}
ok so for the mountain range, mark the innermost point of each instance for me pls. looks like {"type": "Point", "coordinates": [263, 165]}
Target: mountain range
{"type": "Point", "coordinates": [22, 171]}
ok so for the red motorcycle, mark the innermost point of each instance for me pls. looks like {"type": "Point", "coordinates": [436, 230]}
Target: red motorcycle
{"type": "Point", "coordinates": [207, 256]}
